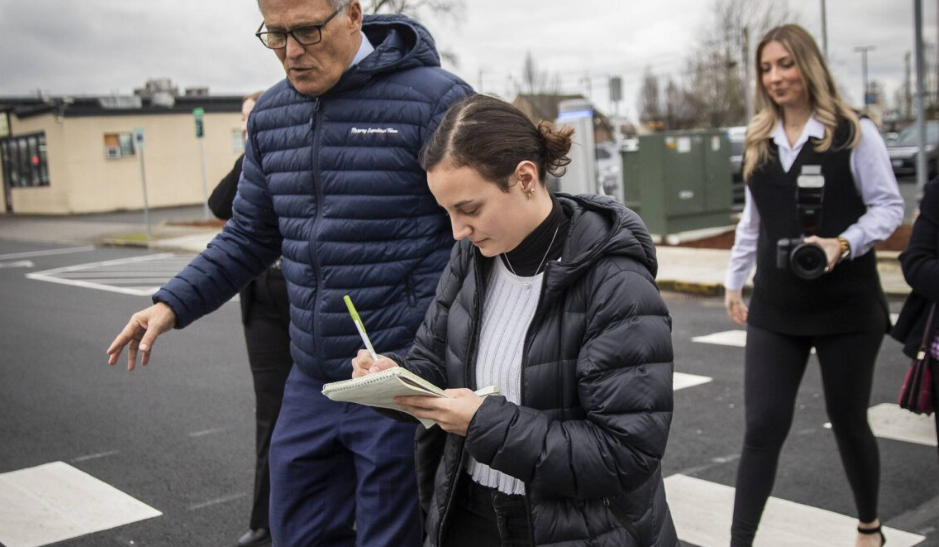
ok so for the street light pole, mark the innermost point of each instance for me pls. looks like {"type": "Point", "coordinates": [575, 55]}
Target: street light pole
{"type": "Point", "coordinates": [864, 50]}
{"type": "Point", "coordinates": [824, 31]}
{"type": "Point", "coordinates": [747, 99]}
{"type": "Point", "coordinates": [921, 168]}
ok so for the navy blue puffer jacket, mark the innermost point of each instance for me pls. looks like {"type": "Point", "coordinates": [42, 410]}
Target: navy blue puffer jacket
{"type": "Point", "coordinates": [332, 183]}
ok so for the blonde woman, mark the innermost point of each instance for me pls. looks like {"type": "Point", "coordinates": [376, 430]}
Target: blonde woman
{"type": "Point", "coordinates": [816, 175]}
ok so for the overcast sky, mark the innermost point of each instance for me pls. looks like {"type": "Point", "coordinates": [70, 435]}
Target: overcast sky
{"type": "Point", "coordinates": [105, 46]}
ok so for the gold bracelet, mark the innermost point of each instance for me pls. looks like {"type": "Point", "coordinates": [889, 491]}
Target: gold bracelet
{"type": "Point", "coordinates": [845, 248]}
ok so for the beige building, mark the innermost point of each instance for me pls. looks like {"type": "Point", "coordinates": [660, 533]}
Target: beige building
{"type": "Point", "coordinates": [62, 155]}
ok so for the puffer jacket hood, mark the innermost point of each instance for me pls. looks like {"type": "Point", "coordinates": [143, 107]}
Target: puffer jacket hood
{"type": "Point", "coordinates": [596, 388]}
{"type": "Point", "coordinates": [400, 44]}
{"type": "Point", "coordinates": [600, 228]}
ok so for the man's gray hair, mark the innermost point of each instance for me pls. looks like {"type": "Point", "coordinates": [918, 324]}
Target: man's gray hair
{"type": "Point", "coordinates": [336, 4]}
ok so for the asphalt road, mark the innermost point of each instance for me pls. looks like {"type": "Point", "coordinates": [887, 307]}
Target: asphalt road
{"type": "Point", "coordinates": [178, 434]}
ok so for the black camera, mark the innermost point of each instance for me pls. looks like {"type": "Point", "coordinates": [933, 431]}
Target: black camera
{"type": "Point", "coordinates": [806, 260]}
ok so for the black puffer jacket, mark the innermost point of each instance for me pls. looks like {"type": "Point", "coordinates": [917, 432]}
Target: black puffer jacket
{"type": "Point", "coordinates": [596, 388]}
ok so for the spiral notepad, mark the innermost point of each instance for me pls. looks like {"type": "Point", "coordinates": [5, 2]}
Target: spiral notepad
{"type": "Point", "coordinates": [380, 389]}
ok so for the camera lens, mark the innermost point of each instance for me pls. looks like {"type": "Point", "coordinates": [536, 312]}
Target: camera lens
{"type": "Point", "coordinates": [808, 261]}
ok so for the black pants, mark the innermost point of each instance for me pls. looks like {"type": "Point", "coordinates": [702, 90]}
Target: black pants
{"type": "Point", "coordinates": [775, 364]}
{"type": "Point", "coordinates": [266, 323]}
{"type": "Point", "coordinates": [485, 517]}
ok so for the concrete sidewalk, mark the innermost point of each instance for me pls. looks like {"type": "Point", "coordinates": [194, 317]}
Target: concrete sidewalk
{"type": "Point", "coordinates": [698, 271]}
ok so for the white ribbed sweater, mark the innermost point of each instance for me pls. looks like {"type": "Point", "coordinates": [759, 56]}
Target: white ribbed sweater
{"type": "Point", "coordinates": [507, 313]}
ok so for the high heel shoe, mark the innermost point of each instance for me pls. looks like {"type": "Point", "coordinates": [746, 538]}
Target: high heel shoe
{"type": "Point", "coordinates": [872, 531]}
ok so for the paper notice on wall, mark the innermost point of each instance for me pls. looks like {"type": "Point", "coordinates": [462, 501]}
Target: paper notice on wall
{"type": "Point", "coordinates": [684, 145]}
{"type": "Point", "coordinates": [716, 143]}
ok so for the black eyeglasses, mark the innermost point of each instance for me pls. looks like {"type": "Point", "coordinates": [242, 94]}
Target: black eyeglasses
{"type": "Point", "coordinates": [306, 35]}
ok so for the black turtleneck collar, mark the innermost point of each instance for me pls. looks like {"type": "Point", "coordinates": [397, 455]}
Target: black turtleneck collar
{"type": "Point", "coordinates": [527, 259]}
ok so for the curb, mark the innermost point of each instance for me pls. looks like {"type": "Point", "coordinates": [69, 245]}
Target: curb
{"type": "Point", "coordinates": [717, 289]}
{"type": "Point", "coordinates": [120, 242]}
{"type": "Point", "coordinates": [699, 289]}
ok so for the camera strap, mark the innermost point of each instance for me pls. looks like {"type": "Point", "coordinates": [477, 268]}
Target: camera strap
{"type": "Point", "coordinates": [810, 188]}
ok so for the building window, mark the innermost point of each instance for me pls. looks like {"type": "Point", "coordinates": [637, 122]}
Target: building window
{"type": "Point", "coordinates": [237, 141]}
{"type": "Point", "coordinates": [25, 163]}
{"type": "Point", "coordinates": [118, 145]}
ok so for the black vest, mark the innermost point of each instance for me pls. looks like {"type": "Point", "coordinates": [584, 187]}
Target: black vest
{"type": "Point", "coordinates": [847, 299]}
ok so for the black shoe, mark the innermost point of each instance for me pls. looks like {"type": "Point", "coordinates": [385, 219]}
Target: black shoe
{"type": "Point", "coordinates": [255, 537]}
{"type": "Point", "coordinates": [872, 531]}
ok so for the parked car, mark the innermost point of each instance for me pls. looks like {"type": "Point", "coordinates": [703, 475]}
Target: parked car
{"type": "Point", "coordinates": [609, 169]}
{"type": "Point", "coordinates": [904, 149]}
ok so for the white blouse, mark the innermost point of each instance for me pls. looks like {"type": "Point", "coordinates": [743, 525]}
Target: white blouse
{"type": "Point", "coordinates": [873, 178]}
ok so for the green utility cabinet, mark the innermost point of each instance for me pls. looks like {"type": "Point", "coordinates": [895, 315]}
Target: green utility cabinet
{"type": "Point", "coordinates": [680, 181]}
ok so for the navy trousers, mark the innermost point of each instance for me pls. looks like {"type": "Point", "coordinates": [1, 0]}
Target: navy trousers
{"type": "Point", "coordinates": [341, 474]}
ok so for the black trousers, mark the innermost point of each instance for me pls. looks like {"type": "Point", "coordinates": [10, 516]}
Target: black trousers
{"type": "Point", "coordinates": [266, 324]}
{"type": "Point", "coordinates": [485, 517]}
{"type": "Point", "coordinates": [775, 364]}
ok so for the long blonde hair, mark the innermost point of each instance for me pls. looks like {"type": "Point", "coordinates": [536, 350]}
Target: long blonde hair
{"type": "Point", "coordinates": [823, 97]}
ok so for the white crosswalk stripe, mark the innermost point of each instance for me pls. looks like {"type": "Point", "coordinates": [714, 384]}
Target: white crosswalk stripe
{"type": "Point", "coordinates": [681, 380]}
{"type": "Point", "coordinates": [55, 502]}
{"type": "Point", "coordinates": [735, 338]}
{"type": "Point", "coordinates": [889, 421]}
{"type": "Point", "coordinates": [702, 511]}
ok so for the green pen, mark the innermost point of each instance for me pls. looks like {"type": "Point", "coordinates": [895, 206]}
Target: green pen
{"type": "Point", "coordinates": [358, 325]}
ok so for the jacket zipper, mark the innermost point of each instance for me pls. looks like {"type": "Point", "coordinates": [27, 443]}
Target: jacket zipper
{"type": "Point", "coordinates": [529, 336]}
{"type": "Point", "coordinates": [315, 125]}
{"type": "Point", "coordinates": [470, 364]}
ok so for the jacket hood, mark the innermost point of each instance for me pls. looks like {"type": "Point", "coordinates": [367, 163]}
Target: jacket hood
{"type": "Point", "coordinates": [400, 44]}
{"type": "Point", "coordinates": [600, 227]}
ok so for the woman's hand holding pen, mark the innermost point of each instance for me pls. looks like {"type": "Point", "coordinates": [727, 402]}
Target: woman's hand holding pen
{"type": "Point", "coordinates": [453, 413]}
{"type": "Point", "coordinates": [363, 364]}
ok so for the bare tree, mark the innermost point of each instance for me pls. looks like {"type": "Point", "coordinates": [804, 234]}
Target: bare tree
{"type": "Point", "coordinates": [448, 11]}
{"type": "Point", "coordinates": [535, 81]}
{"type": "Point", "coordinates": [715, 84]}
{"type": "Point", "coordinates": [679, 107]}
{"type": "Point", "coordinates": [650, 104]}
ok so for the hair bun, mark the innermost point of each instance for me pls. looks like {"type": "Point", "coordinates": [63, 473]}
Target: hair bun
{"type": "Point", "coordinates": [557, 143]}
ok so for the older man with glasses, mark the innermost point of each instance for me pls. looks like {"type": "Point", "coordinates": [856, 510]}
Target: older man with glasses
{"type": "Point", "coordinates": [331, 181]}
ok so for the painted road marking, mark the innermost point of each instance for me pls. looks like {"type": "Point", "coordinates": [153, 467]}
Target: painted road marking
{"type": "Point", "coordinates": [889, 421]}
{"type": "Point", "coordinates": [55, 502]}
{"type": "Point", "coordinates": [736, 338]}
{"type": "Point", "coordinates": [102, 279]}
{"type": "Point", "coordinates": [217, 501]}
{"type": "Point", "coordinates": [702, 512]}
{"type": "Point", "coordinates": [138, 276]}
{"type": "Point", "coordinates": [49, 252]}
{"type": "Point", "coordinates": [17, 264]}
{"type": "Point", "coordinates": [680, 380]}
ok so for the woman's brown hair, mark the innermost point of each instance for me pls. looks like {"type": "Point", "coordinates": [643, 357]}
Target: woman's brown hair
{"type": "Point", "coordinates": [493, 137]}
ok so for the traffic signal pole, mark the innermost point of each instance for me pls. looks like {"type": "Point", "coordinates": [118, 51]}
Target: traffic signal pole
{"type": "Point", "coordinates": [199, 115]}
